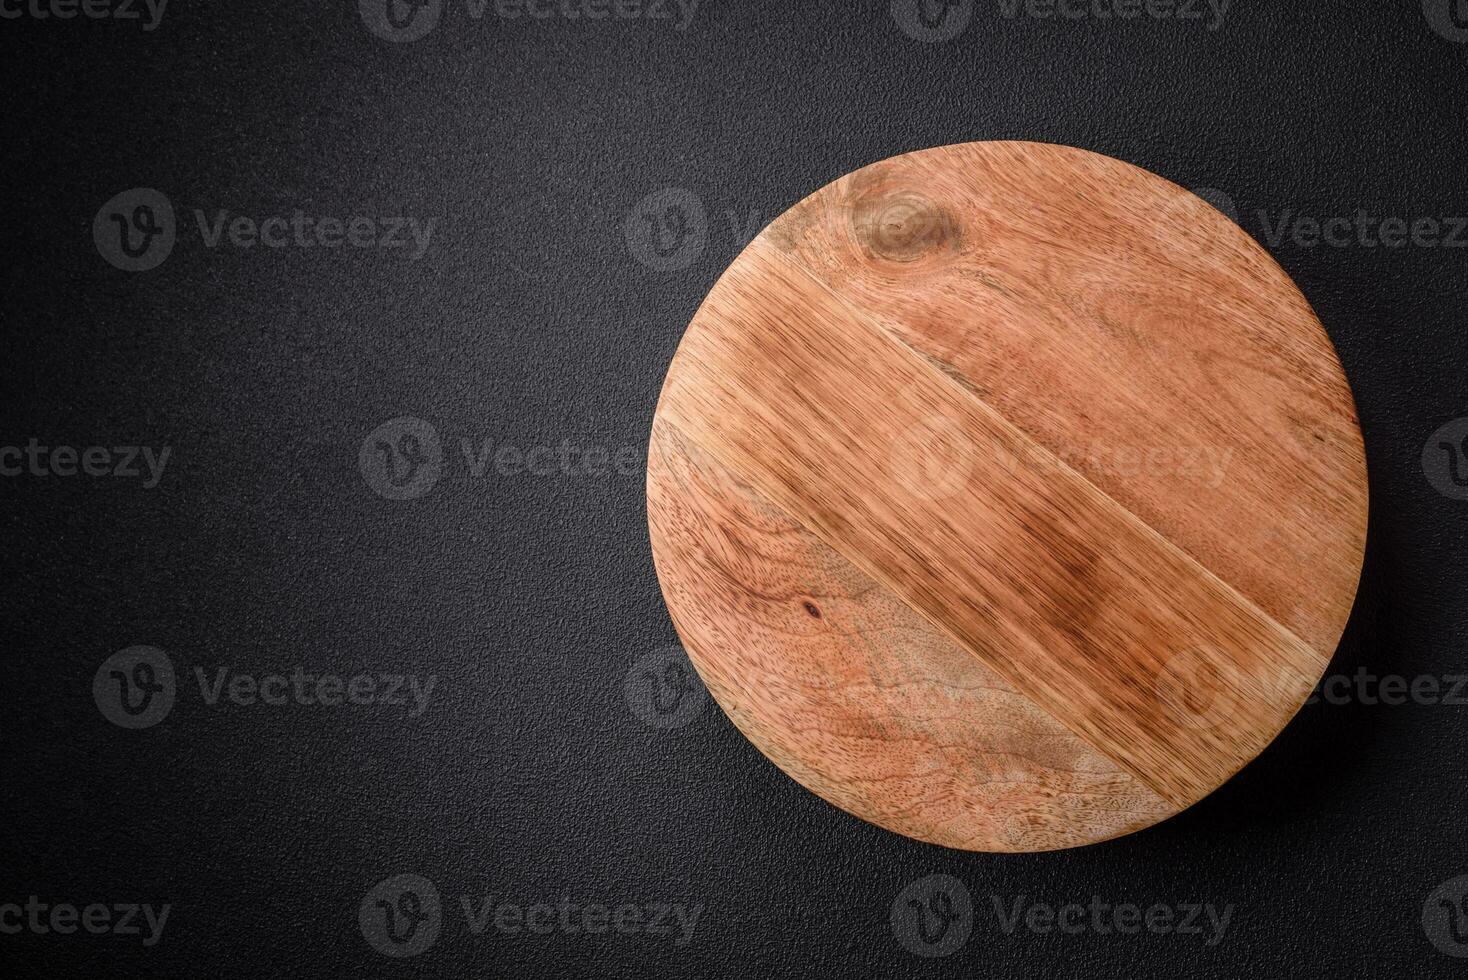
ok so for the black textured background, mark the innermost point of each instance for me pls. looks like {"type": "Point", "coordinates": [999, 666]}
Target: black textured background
{"type": "Point", "coordinates": [530, 320]}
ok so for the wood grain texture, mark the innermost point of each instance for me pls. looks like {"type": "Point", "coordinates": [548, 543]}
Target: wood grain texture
{"type": "Point", "coordinates": [915, 391]}
{"type": "Point", "coordinates": [854, 694]}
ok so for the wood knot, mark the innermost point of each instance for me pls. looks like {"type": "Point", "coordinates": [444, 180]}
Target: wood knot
{"type": "Point", "coordinates": [902, 226]}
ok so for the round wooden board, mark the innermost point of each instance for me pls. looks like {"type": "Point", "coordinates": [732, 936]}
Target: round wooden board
{"type": "Point", "coordinates": [1007, 496]}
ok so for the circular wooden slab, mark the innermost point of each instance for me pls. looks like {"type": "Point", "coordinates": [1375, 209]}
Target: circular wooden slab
{"type": "Point", "coordinates": [1007, 496]}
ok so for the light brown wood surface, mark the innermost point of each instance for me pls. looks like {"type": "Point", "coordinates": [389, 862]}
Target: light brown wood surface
{"type": "Point", "coordinates": [1007, 496]}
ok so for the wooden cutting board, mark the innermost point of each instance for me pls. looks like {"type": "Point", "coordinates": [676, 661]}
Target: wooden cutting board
{"type": "Point", "coordinates": [1007, 496]}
